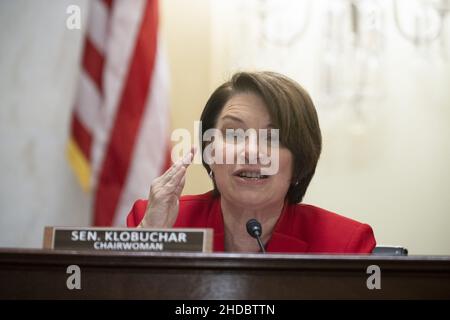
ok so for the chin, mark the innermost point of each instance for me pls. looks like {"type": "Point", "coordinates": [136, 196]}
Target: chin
{"type": "Point", "coordinates": [249, 197]}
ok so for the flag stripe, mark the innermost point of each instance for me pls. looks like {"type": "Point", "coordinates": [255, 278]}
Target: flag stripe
{"type": "Point", "coordinates": [128, 117]}
{"type": "Point", "coordinates": [108, 3]}
{"type": "Point", "coordinates": [151, 143]}
{"type": "Point", "coordinates": [82, 136]}
{"type": "Point", "coordinates": [98, 19]}
{"type": "Point", "coordinates": [88, 102]}
{"type": "Point", "coordinates": [93, 63]}
{"type": "Point", "coordinates": [124, 25]}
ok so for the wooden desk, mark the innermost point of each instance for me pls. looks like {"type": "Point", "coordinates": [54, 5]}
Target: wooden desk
{"type": "Point", "coordinates": [42, 274]}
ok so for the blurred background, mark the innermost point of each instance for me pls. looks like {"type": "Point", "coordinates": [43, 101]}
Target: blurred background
{"type": "Point", "coordinates": [378, 72]}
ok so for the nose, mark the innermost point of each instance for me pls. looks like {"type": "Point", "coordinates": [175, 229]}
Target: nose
{"type": "Point", "coordinates": [249, 150]}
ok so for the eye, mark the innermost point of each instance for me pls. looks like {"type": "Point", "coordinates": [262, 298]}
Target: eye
{"type": "Point", "coordinates": [231, 135]}
{"type": "Point", "coordinates": [269, 136]}
{"type": "Point", "coordinates": [239, 134]}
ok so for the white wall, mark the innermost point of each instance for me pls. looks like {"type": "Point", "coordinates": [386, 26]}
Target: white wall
{"type": "Point", "coordinates": [38, 70]}
{"type": "Point", "coordinates": [389, 169]}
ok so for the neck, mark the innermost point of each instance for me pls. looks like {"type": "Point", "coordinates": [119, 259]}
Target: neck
{"type": "Point", "coordinates": [235, 218]}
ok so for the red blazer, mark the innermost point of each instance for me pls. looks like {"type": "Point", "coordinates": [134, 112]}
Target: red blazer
{"type": "Point", "coordinates": [301, 228]}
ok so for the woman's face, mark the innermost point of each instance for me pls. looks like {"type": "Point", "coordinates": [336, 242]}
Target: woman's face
{"type": "Point", "coordinates": [237, 182]}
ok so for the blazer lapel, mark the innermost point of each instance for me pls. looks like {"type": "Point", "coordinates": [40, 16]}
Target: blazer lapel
{"type": "Point", "coordinates": [284, 238]}
{"type": "Point", "coordinates": [284, 243]}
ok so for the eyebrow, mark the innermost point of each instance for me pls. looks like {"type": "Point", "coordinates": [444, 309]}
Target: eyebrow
{"type": "Point", "coordinates": [236, 119]}
{"type": "Point", "coordinates": [232, 118]}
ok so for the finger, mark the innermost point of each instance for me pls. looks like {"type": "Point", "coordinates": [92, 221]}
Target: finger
{"type": "Point", "coordinates": [175, 180]}
{"type": "Point", "coordinates": [171, 172]}
{"type": "Point", "coordinates": [171, 168]}
{"type": "Point", "coordinates": [189, 157]}
{"type": "Point", "coordinates": [193, 151]}
{"type": "Point", "coordinates": [167, 172]}
{"type": "Point", "coordinates": [183, 162]}
{"type": "Point", "coordinates": [180, 186]}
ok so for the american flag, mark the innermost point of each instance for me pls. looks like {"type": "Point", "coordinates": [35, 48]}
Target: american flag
{"type": "Point", "coordinates": [119, 139]}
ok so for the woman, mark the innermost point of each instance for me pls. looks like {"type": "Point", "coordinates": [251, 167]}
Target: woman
{"type": "Point", "coordinates": [260, 100]}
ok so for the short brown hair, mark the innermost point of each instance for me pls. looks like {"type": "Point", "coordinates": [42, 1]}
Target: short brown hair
{"type": "Point", "coordinates": [292, 112]}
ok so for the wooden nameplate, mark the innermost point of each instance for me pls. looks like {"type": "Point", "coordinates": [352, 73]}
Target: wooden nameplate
{"type": "Point", "coordinates": [128, 239]}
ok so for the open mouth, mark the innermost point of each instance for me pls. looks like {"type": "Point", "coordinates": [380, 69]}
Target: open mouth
{"type": "Point", "coordinates": [250, 175]}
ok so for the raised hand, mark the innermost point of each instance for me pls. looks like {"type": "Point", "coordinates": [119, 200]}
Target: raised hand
{"type": "Point", "coordinates": [165, 192]}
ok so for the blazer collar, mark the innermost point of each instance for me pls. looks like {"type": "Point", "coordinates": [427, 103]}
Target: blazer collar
{"type": "Point", "coordinates": [281, 241]}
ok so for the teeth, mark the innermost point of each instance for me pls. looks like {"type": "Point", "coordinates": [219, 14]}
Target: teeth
{"type": "Point", "coordinates": [253, 175]}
